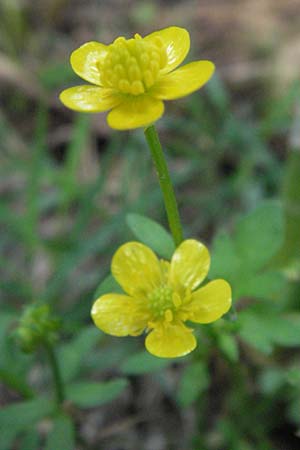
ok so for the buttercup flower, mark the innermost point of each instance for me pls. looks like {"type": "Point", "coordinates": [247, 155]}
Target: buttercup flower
{"type": "Point", "coordinates": [132, 77]}
{"type": "Point", "coordinates": [161, 296]}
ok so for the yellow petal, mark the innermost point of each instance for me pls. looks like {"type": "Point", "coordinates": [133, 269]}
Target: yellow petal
{"type": "Point", "coordinates": [189, 265]}
{"type": "Point", "coordinates": [85, 61]}
{"type": "Point", "coordinates": [183, 81]}
{"type": "Point", "coordinates": [136, 268]}
{"type": "Point", "coordinates": [89, 98]}
{"type": "Point", "coordinates": [135, 112]}
{"type": "Point", "coordinates": [210, 302]}
{"type": "Point", "coordinates": [177, 44]}
{"type": "Point", "coordinates": [119, 315]}
{"type": "Point", "coordinates": [170, 340]}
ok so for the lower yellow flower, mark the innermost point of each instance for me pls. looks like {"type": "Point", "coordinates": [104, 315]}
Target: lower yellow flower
{"type": "Point", "coordinates": [161, 296]}
{"type": "Point", "coordinates": [132, 77]}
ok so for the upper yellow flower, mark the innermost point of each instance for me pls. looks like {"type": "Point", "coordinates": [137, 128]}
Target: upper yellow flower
{"type": "Point", "coordinates": [161, 296]}
{"type": "Point", "coordinates": [132, 77]}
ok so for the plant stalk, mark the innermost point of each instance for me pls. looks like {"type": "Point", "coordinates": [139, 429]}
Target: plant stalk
{"type": "Point", "coordinates": [57, 379]}
{"type": "Point", "coordinates": [165, 184]}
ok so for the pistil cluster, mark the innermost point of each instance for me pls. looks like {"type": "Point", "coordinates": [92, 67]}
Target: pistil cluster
{"type": "Point", "coordinates": [132, 66]}
{"type": "Point", "coordinates": [163, 303]}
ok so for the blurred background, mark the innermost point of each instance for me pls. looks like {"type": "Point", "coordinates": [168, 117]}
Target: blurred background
{"type": "Point", "coordinates": [68, 182]}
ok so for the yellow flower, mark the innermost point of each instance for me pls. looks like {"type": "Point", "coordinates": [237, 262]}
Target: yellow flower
{"type": "Point", "coordinates": [161, 296]}
{"type": "Point", "coordinates": [132, 77]}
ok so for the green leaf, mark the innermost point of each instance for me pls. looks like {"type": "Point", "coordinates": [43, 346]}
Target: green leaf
{"type": "Point", "coordinates": [6, 318]}
{"type": "Point", "coordinates": [79, 137]}
{"type": "Point", "coordinates": [20, 416]}
{"type": "Point", "coordinates": [62, 435]}
{"type": "Point", "coordinates": [218, 95]}
{"type": "Point", "coordinates": [293, 375]}
{"type": "Point", "coordinates": [271, 380]}
{"type": "Point", "coordinates": [267, 285]}
{"type": "Point", "coordinates": [240, 257]}
{"type": "Point", "coordinates": [263, 329]}
{"type": "Point", "coordinates": [228, 345]}
{"type": "Point", "coordinates": [294, 410]}
{"type": "Point", "coordinates": [259, 235]}
{"type": "Point", "coordinates": [142, 362]}
{"type": "Point", "coordinates": [112, 354]}
{"type": "Point", "coordinates": [284, 330]}
{"type": "Point", "coordinates": [107, 285]}
{"type": "Point", "coordinates": [88, 394]}
{"type": "Point", "coordinates": [152, 234]}
{"type": "Point", "coordinates": [54, 75]}
{"type": "Point", "coordinates": [13, 363]}
{"type": "Point", "coordinates": [14, 378]}
{"type": "Point", "coordinates": [225, 261]}
{"type": "Point", "coordinates": [278, 113]}
{"type": "Point", "coordinates": [7, 439]}
{"type": "Point", "coordinates": [253, 331]}
{"type": "Point", "coordinates": [71, 355]}
{"type": "Point", "coordinates": [30, 440]}
{"type": "Point", "coordinates": [195, 380]}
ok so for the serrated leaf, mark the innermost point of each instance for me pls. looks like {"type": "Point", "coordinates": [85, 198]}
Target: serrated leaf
{"type": "Point", "coordinates": [259, 235]}
{"type": "Point", "coordinates": [142, 362]}
{"type": "Point", "coordinates": [62, 434]}
{"type": "Point", "coordinates": [88, 394]}
{"type": "Point", "coordinates": [152, 234]}
{"type": "Point", "coordinates": [195, 380]}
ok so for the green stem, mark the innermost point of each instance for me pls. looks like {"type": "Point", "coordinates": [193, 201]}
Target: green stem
{"type": "Point", "coordinates": [165, 184]}
{"type": "Point", "coordinates": [57, 380]}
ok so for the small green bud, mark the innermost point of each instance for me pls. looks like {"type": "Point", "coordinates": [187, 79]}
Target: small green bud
{"type": "Point", "coordinates": [36, 326]}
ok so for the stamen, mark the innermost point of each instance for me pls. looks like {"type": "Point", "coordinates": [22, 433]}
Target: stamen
{"type": "Point", "coordinates": [176, 300]}
{"type": "Point", "coordinates": [168, 315]}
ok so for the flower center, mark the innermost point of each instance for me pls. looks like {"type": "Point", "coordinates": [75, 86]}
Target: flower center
{"type": "Point", "coordinates": [132, 66]}
{"type": "Point", "coordinates": [163, 302]}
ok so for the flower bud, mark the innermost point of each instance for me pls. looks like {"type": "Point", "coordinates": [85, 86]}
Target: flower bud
{"type": "Point", "coordinates": [36, 326]}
